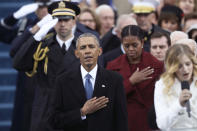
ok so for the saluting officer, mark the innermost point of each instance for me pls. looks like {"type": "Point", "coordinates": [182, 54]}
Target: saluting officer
{"type": "Point", "coordinates": [42, 54]}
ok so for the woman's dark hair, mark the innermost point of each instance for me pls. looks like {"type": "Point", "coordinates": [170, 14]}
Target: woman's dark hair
{"type": "Point", "coordinates": [133, 30]}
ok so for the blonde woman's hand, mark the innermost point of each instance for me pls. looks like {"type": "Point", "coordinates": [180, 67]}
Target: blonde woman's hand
{"type": "Point", "coordinates": [184, 97]}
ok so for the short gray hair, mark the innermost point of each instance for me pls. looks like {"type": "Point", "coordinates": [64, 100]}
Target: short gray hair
{"type": "Point", "coordinates": [88, 35]}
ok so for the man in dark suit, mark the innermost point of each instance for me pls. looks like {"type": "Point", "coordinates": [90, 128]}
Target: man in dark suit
{"type": "Point", "coordinates": [89, 98]}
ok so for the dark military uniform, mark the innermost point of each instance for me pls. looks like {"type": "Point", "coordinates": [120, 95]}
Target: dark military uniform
{"type": "Point", "coordinates": [147, 37]}
{"type": "Point", "coordinates": [49, 55]}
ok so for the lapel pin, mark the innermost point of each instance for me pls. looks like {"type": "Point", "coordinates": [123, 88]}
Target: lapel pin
{"type": "Point", "coordinates": [103, 85]}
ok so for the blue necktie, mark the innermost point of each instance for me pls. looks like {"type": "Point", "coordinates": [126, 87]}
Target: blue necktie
{"type": "Point", "coordinates": [88, 86]}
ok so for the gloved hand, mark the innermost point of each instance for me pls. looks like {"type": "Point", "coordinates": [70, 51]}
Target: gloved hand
{"type": "Point", "coordinates": [25, 10]}
{"type": "Point", "coordinates": [44, 20]}
{"type": "Point", "coordinates": [45, 29]}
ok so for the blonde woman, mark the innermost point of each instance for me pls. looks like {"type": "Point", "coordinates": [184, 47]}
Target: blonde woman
{"type": "Point", "coordinates": [169, 99]}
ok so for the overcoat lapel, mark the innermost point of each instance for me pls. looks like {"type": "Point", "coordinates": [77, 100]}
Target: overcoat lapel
{"type": "Point", "coordinates": [101, 84]}
{"type": "Point", "coordinates": [78, 87]}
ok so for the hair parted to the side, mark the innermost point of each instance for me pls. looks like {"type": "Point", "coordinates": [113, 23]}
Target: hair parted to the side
{"type": "Point", "coordinates": [87, 35]}
{"type": "Point", "coordinates": [133, 30]}
{"type": "Point", "coordinates": [172, 62]}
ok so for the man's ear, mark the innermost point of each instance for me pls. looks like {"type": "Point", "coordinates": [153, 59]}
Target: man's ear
{"type": "Point", "coordinates": [100, 51]}
{"type": "Point", "coordinates": [76, 53]}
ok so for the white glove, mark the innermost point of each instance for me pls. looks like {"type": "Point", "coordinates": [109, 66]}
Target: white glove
{"type": "Point", "coordinates": [44, 20]}
{"type": "Point", "coordinates": [45, 29]}
{"type": "Point", "coordinates": [25, 10]}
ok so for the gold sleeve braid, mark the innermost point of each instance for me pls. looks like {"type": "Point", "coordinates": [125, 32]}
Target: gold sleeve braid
{"type": "Point", "coordinates": [39, 55]}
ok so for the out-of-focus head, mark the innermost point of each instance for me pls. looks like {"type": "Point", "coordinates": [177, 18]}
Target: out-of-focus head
{"type": "Point", "coordinates": [160, 42]}
{"type": "Point", "coordinates": [106, 17]}
{"type": "Point", "coordinates": [143, 10]}
{"type": "Point", "coordinates": [177, 35]}
{"type": "Point", "coordinates": [192, 32]}
{"type": "Point", "coordinates": [189, 42]}
{"type": "Point", "coordinates": [180, 62]}
{"type": "Point", "coordinates": [133, 41]}
{"type": "Point", "coordinates": [188, 6]}
{"type": "Point", "coordinates": [42, 10]}
{"type": "Point", "coordinates": [89, 18]}
{"type": "Point", "coordinates": [189, 20]}
{"type": "Point", "coordinates": [123, 21]}
{"type": "Point", "coordinates": [170, 18]}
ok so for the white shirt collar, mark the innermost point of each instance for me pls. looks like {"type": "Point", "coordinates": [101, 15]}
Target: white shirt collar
{"type": "Point", "coordinates": [122, 49]}
{"type": "Point", "coordinates": [92, 72]}
{"type": "Point", "coordinates": [68, 42]}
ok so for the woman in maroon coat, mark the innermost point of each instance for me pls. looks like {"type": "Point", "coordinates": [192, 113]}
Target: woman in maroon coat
{"type": "Point", "coordinates": [140, 71]}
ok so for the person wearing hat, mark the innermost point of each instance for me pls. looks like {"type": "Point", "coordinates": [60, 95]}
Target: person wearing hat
{"type": "Point", "coordinates": [170, 18]}
{"type": "Point", "coordinates": [143, 10]}
{"type": "Point", "coordinates": [8, 25]}
{"type": "Point", "coordinates": [42, 54]}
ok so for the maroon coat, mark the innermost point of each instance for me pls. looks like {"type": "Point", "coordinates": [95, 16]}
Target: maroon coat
{"type": "Point", "coordinates": [139, 96]}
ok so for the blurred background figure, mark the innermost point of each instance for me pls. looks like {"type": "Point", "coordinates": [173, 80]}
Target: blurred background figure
{"type": "Point", "coordinates": [111, 39]}
{"type": "Point", "coordinates": [189, 42]}
{"type": "Point", "coordinates": [192, 32]}
{"type": "Point", "coordinates": [143, 10]}
{"type": "Point", "coordinates": [88, 18]}
{"type": "Point", "coordinates": [160, 42]}
{"type": "Point", "coordinates": [9, 24]}
{"type": "Point", "coordinates": [187, 6]}
{"type": "Point", "coordinates": [177, 35]}
{"type": "Point", "coordinates": [111, 42]}
{"type": "Point", "coordinates": [189, 20]}
{"type": "Point", "coordinates": [170, 98]}
{"type": "Point", "coordinates": [106, 17]}
{"type": "Point", "coordinates": [170, 18]}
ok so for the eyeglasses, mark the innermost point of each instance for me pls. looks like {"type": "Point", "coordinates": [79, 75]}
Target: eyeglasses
{"type": "Point", "coordinates": [87, 20]}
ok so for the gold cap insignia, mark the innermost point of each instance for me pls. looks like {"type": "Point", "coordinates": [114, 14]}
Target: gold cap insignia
{"type": "Point", "coordinates": [61, 5]}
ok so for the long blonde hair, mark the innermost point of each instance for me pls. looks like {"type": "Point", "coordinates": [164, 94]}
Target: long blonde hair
{"type": "Point", "coordinates": [172, 63]}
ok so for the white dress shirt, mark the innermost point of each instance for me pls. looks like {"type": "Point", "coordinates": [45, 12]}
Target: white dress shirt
{"type": "Point", "coordinates": [170, 115]}
{"type": "Point", "coordinates": [67, 43]}
{"type": "Point", "coordinates": [93, 73]}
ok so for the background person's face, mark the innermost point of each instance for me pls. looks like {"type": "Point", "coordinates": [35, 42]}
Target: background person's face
{"type": "Point", "coordinates": [41, 12]}
{"type": "Point", "coordinates": [158, 47]}
{"type": "Point", "coordinates": [169, 25]}
{"type": "Point", "coordinates": [87, 19]}
{"type": "Point", "coordinates": [144, 21]}
{"type": "Point", "coordinates": [187, 6]}
{"type": "Point", "coordinates": [107, 20]}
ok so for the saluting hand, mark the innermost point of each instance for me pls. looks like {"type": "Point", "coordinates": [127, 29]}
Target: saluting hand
{"type": "Point", "coordinates": [25, 10]}
{"type": "Point", "coordinates": [142, 75]}
{"type": "Point", "coordinates": [93, 105]}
